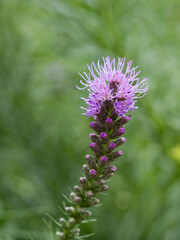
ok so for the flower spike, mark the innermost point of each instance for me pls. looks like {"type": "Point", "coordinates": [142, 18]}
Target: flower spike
{"type": "Point", "coordinates": [109, 82]}
{"type": "Point", "coordinates": [112, 92]}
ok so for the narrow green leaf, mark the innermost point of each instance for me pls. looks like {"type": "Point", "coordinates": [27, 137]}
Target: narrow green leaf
{"type": "Point", "coordinates": [98, 205]}
{"type": "Point", "coordinates": [64, 205]}
{"type": "Point", "coordinates": [102, 193]}
{"type": "Point", "coordinates": [77, 237]}
{"type": "Point", "coordinates": [70, 189]}
{"type": "Point", "coordinates": [90, 220]}
{"type": "Point", "coordinates": [56, 222]}
{"type": "Point", "coordinates": [62, 210]}
{"type": "Point", "coordinates": [45, 222]}
{"type": "Point", "coordinates": [67, 198]}
{"type": "Point", "coordinates": [86, 236]}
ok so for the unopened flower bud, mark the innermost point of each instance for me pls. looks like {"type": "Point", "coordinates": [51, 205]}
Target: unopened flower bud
{"type": "Point", "coordinates": [97, 126]}
{"type": "Point", "coordinates": [86, 170]}
{"type": "Point", "coordinates": [126, 119]}
{"type": "Point", "coordinates": [83, 182]}
{"type": "Point", "coordinates": [63, 222]}
{"type": "Point", "coordinates": [114, 155]}
{"type": "Point", "coordinates": [95, 148]}
{"type": "Point", "coordinates": [122, 130]}
{"type": "Point", "coordinates": [94, 138]}
{"type": "Point", "coordinates": [120, 141]}
{"type": "Point", "coordinates": [77, 189]}
{"type": "Point", "coordinates": [103, 160]}
{"type": "Point", "coordinates": [87, 214]}
{"type": "Point", "coordinates": [72, 195]}
{"type": "Point", "coordinates": [107, 176]}
{"type": "Point", "coordinates": [72, 221]}
{"type": "Point", "coordinates": [113, 115]}
{"type": "Point", "coordinates": [69, 210]}
{"type": "Point", "coordinates": [113, 169]}
{"type": "Point", "coordinates": [60, 235]}
{"type": "Point", "coordinates": [117, 133]}
{"type": "Point", "coordinates": [78, 200]}
{"type": "Point", "coordinates": [119, 123]}
{"type": "Point", "coordinates": [104, 188]}
{"type": "Point", "coordinates": [111, 146]}
{"type": "Point", "coordinates": [95, 201]}
{"type": "Point", "coordinates": [109, 124]}
{"type": "Point", "coordinates": [92, 146]}
{"type": "Point", "coordinates": [81, 210]}
{"type": "Point", "coordinates": [104, 137]}
{"type": "Point", "coordinates": [85, 166]}
{"type": "Point", "coordinates": [106, 171]}
{"type": "Point", "coordinates": [83, 213]}
{"type": "Point", "coordinates": [92, 172]}
{"type": "Point", "coordinates": [89, 194]}
{"type": "Point", "coordinates": [88, 158]}
{"type": "Point", "coordinates": [102, 181]}
{"type": "Point", "coordinates": [90, 161]}
{"type": "Point", "coordinates": [101, 116]}
{"type": "Point", "coordinates": [75, 231]}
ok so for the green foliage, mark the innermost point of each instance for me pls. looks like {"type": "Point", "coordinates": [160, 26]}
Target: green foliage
{"type": "Point", "coordinates": [43, 137]}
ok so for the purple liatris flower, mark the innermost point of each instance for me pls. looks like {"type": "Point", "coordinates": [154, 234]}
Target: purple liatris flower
{"type": "Point", "coordinates": [112, 93]}
{"type": "Point", "coordinates": [111, 82]}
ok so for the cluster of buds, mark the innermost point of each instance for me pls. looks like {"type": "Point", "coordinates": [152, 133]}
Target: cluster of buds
{"type": "Point", "coordinates": [97, 169]}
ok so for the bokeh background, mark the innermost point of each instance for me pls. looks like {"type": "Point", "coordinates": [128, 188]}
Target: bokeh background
{"type": "Point", "coordinates": [44, 137]}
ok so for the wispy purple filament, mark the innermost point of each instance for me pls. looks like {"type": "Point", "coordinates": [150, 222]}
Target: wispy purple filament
{"type": "Point", "coordinates": [110, 82]}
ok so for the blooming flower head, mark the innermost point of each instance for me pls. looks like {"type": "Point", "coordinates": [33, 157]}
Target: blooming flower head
{"type": "Point", "coordinates": [109, 82]}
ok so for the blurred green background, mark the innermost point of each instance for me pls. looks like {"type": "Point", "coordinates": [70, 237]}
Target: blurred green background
{"type": "Point", "coordinates": [44, 137]}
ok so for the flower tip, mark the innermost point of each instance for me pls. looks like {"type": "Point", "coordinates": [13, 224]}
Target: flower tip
{"type": "Point", "coordinates": [104, 158]}
{"type": "Point", "coordinates": [114, 169]}
{"type": "Point", "coordinates": [92, 135]}
{"type": "Point", "coordinates": [120, 153]}
{"type": "Point", "coordinates": [109, 124]}
{"type": "Point", "coordinates": [87, 156]}
{"type": "Point", "coordinates": [92, 172]}
{"type": "Point", "coordinates": [123, 139]}
{"type": "Point", "coordinates": [59, 234]}
{"type": "Point", "coordinates": [109, 120]}
{"type": "Point", "coordinates": [112, 145]}
{"type": "Point", "coordinates": [91, 124]}
{"type": "Point", "coordinates": [103, 135]}
{"type": "Point", "coordinates": [92, 145]}
{"type": "Point", "coordinates": [122, 130]}
{"type": "Point", "coordinates": [127, 118]}
{"type": "Point", "coordinates": [94, 138]}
